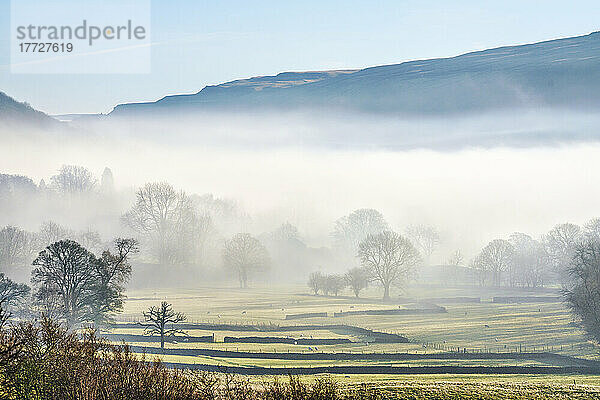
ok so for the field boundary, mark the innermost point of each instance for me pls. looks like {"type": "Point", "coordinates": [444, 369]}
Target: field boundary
{"type": "Point", "coordinates": [390, 370]}
{"type": "Point", "coordinates": [394, 311]}
{"type": "Point", "coordinates": [378, 337]}
{"type": "Point", "coordinates": [314, 356]}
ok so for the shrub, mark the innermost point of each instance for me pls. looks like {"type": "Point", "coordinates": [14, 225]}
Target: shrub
{"type": "Point", "coordinates": [46, 361]}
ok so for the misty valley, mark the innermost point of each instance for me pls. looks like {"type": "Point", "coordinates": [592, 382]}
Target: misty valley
{"type": "Point", "coordinates": [421, 230]}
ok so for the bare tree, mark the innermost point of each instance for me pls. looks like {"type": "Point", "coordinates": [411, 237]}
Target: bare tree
{"type": "Point", "coordinates": [591, 229]}
{"type": "Point", "coordinates": [480, 271]}
{"type": "Point", "coordinates": [16, 246]}
{"type": "Point", "coordinates": [583, 295]}
{"type": "Point", "coordinates": [388, 258]}
{"type": "Point", "coordinates": [495, 258]}
{"type": "Point", "coordinates": [245, 254]}
{"type": "Point", "coordinates": [51, 232]}
{"type": "Point", "coordinates": [452, 270]}
{"type": "Point", "coordinates": [89, 239]}
{"type": "Point", "coordinates": [456, 259]}
{"type": "Point", "coordinates": [316, 282]}
{"type": "Point", "coordinates": [425, 238]}
{"type": "Point", "coordinates": [561, 243]}
{"type": "Point", "coordinates": [112, 270]}
{"type": "Point", "coordinates": [160, 320]}
{"type": "Point", "coordinates": [351, 230]}
{"type": "Point", "coordinates": [334, 284]}
{"type": "Point", "coordinates": [226, 215]}
{"type": "Point", "coordinates": [357, 279]}
{"type": "Point", "coordinates": [164, 218]}
{"type": "Point", "coordinates": [12, 294]}
{"type": "Point", "coordinates": [73, 179]}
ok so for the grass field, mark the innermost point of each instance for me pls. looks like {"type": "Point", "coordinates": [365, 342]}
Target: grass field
{"type": "Point", "coordinates": [477, 327]}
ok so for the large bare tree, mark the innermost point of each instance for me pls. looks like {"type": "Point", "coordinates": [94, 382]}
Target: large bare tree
{"type": "Point", "coordinates": [389, 259]}
{"type": "Point", "coordinates": [161, 320]}
{"type": "Point", "coordinates": [165, 219]}
{"type": "Point", "coordinates": [245, 255]}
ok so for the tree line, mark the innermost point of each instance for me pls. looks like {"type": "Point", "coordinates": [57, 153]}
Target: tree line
{"type": "Point", "coordinates": [522, 261]}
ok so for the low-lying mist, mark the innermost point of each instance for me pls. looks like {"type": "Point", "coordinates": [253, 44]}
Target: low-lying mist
{"type": "Point", "coordinates": [474, 178]}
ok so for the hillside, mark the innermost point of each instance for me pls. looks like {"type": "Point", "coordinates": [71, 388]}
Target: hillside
{"type": "Point", "coordinates": [13, 113]}
{"type": "Point", "coordinates": [555, 73]}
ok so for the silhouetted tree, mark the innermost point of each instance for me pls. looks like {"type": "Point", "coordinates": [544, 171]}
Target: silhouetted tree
{"type": "Point", "coordinates": [78, 286]}
{"type": "Point", "coordinates": [11, 294]}
{"type": "Point", "coordinates": [67, 268]}
{"type": "Point", "coordinates": [245, 254]}
{"type": "Point", "coordinates": [388, 258]}
{"type": "Point", "coordinates": [159, 320]}
{"type": "Point", "coordinates": [112, 271]}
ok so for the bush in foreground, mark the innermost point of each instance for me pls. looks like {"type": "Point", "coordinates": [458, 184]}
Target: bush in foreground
{"type": "Point", "coordinates": [46, 361]}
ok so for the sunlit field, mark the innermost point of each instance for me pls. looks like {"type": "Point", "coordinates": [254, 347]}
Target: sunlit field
{"type": "Point", "coordinates": [484, 327]}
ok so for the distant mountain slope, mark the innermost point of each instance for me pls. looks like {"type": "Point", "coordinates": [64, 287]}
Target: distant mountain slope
{"type": "Point", "coordinates": [14, 113]}
{"type": "Point", "coordinates": [555, 73]}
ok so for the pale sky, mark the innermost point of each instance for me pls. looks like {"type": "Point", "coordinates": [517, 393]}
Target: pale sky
{"type": "Point", "coordinates": [202, 42]}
